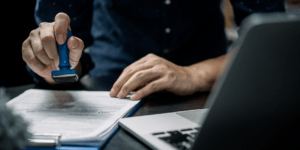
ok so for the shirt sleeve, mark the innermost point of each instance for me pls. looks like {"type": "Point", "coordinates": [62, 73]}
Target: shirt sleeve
{"type": "Point", "coordinates": [243, 8]}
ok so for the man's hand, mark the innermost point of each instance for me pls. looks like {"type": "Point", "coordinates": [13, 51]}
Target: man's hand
{"type": "Point", "coordinates": [152, 73]}
{"type": "Point", "coordinates": [39, 50]}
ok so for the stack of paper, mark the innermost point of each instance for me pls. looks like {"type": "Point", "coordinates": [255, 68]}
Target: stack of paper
{"type": "Point", "coordinates": [80, 117]}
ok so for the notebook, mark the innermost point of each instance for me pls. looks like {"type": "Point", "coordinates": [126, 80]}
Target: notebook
{"type": "Point", "coordinates": [86, 118]}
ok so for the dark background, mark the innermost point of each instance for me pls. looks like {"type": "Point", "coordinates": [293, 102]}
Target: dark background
{"type": "Point", "coordinates": [17, 20]}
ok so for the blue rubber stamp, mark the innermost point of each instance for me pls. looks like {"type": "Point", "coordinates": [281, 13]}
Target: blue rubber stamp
{"type": "Point", "coordinates": [64, 74]}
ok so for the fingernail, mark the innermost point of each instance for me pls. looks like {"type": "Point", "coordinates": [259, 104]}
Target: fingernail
{"type": "Point", "coordinates": [120, 95]}
{"type": "Point", "coordinates": [134, 96]}
{"type": "Point", "coordinates": [60, 39]}
{"type": "Point", "coordinates": [113, 93]}
{"type": "Point", "coordinates": [74, 43]}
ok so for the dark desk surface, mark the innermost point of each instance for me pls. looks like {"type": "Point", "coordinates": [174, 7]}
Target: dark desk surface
{"type": "Point", "coordinates": [154, 104]}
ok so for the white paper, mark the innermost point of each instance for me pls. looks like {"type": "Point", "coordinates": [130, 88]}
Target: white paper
{"type": "Point", "coordinates": [77, 115]}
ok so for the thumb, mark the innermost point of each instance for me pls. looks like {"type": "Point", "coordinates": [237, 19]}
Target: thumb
{"type": "Point", "coordinates": [75, 46]}
{"type": "Point", "coordinates": [61, 26]}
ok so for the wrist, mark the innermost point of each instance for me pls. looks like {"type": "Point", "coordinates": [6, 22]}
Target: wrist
{"type": "Point", "coordinates": [205, 73]}
{"type": "Point", "coordinates": [201, 77]}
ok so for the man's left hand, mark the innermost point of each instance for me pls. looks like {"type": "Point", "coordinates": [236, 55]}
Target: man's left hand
{"type": "Point", "coordinates": [152, 74]}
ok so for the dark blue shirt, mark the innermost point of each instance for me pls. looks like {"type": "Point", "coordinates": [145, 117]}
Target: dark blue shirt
{"type": "Point", "coordinates": [119, 32]}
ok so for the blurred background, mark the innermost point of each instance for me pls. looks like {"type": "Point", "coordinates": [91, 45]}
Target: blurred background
{"type": "Point", "coordinates": [17, 24]}
{"type": "Point", "coordinates": [291, 6]}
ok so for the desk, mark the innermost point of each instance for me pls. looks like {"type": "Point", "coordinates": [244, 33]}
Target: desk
{"type": "Point", "coordinates": [154, 104]}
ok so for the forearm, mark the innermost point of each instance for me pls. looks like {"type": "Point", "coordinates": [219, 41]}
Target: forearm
{"type": "Point", "coordinates": [205, 73]}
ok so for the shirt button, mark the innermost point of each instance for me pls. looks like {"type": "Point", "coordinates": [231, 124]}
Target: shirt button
{"type": "Point", "coordinates": [166, 51]}
{"type": "Point", "coordinates": [168, 2]}
{"type": "Point", "coordinates": [167, 30]}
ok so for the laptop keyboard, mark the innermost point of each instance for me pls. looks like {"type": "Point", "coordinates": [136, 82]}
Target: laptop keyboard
{"type": "Point", "coordinates": [180, 139]}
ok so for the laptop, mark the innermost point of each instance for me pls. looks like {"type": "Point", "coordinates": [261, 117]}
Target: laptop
{"type": "Point", "coordinates": [255, 103]}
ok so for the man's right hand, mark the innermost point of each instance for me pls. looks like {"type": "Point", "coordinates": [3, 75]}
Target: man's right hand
{"type": "Point", "coordinates": [39, 50]}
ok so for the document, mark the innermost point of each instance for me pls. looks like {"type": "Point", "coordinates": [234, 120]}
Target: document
{"type": "Point", "coordinates": [80, 117]}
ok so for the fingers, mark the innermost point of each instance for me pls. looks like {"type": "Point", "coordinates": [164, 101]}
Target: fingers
{"type": "Point", "coordinates": [155, 86]}
{"type": "Point", "coordinates": [153, 74]}
{"type": "Point", "coordinates": [144, 63]}
{"type": "Point", "coordinates": [139, 78]}
{"type": "Point", "coordinates": [62, 24]}
{"type": "Point", "coordinates": [38, 48]}
{"type": "Point", "coordinates": [48, 40]}
{"type": "Point", "coordinates": [75, 46]}
{"type": "Point", "coordinates": [29, 57]}
{"type": "Point", "coordinates": [127, 73]}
